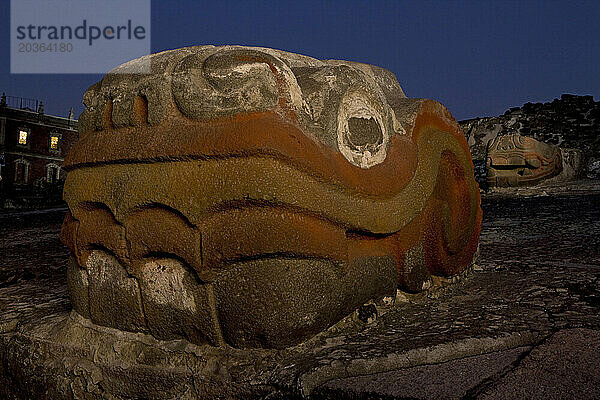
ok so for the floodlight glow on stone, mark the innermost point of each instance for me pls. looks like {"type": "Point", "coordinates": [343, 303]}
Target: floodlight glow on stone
{"type": "Point", "coordinates": [252, 197]}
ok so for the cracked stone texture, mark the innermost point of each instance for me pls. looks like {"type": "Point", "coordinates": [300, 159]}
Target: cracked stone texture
{"type": "Point", "coordinates": [564, 366]}
{"type": "Point", "coordinates": [538, 287]}
{"type": "Point", "coordinates": [449, 380]}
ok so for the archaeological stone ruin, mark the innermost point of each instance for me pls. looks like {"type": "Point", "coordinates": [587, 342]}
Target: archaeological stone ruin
{"type": "Point", "coordinates": [515, 160]}
{"type": "Point", "coordinates": [252, 198]}
{"type": "Point", "coordinates": [570, 122]}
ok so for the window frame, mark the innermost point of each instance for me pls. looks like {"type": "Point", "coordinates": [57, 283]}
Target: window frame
{"type": "Point", "coordinates": [57, 135]}
{"type": "Point", "coordinates": [25, 171]}
{"type": "Point", "coordinates": [27, 143]}
{"type": "Point", "coordinates": [49, 167]}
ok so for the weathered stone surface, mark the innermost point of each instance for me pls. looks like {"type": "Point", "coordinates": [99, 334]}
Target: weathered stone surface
{"type": "Point", "coordinates": [449, 380]}
{"type": "Point", "coordinates": [515, 160]}
{"type": "Point", "coordinates": [176, 305]}
{"type": "Point", "coordinates": [593, 169]}
{"type": "Point", "coordinates": [113, 297]}
{"type": "Point", "coordinates": [272, 302]}
{"type": "Point", "coordinates": [547, 371]}
{"type": "Point", "coordinates": [79, 287]}
{"type": "Point", "coordinates": [573, 166]}
{"type": "Point", "coordinates": [276, 192]}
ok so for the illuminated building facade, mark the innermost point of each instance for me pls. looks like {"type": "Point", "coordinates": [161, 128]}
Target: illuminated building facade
{"type": "Point", "coordinates": [32, 148]}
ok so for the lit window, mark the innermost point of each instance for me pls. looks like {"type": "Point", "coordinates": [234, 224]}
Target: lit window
{"type": "Point", "coordinates": [23, 134]}
{"type": "Point", "coordinates": [53, 142]}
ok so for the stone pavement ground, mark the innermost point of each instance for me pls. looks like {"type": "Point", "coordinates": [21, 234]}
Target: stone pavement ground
{"type": "Point", "coordinates": [525, 324]}
{"type": "Point", "coordinates": [540, 260]}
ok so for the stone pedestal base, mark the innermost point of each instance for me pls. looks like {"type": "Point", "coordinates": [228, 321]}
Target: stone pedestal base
{"type": "Point", "coordinates": [51, 352]}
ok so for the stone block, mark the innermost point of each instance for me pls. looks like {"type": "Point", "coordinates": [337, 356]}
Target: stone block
{"type": "Point", "coordinates": [114, 296]}
{"type": "Point", "coordinates": [176, 304]}
{"type": "Point", "coordinates": [78, 287]}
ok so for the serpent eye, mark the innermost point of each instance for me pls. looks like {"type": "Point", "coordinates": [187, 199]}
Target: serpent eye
{"type": "Point", "coordinates": [362, 135]}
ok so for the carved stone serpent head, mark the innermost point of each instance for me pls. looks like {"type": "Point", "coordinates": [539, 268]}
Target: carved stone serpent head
{"type": "Point", "coordinates": [253, 197]}
{"type": "Point", "coordinates": [515, 160]}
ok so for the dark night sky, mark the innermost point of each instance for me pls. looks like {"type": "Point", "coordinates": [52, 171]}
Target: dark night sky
{"type": "Point", "coordinates": [476, 57]}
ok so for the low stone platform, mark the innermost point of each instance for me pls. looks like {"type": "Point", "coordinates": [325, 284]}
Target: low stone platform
{"type": "Point", "coordinates": [525, 323]}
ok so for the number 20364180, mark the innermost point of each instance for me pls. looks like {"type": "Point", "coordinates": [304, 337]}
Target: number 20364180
{"type": "Point", "coordinates": [62, 47]}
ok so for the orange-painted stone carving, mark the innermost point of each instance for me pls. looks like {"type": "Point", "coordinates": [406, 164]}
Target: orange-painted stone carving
{"type": "Point", "coordinates": [515, 160]}
{"type": "Point", "coordinates": [254, 197]}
